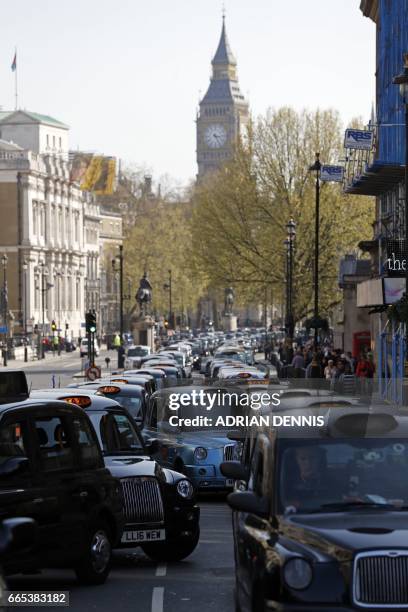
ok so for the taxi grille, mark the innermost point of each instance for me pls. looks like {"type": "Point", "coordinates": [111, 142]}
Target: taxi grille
{"type": "Point", "coordinates": [229, 452]}
{"type": "Point", "coordinates": [381, 579]}
{"type": "Point", "coordinates": [142, 500]}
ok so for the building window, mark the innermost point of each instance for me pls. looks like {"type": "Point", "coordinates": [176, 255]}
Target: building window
{"type": "Point", "coordinates": [77, 291]}
{"type": "Point", "coordinates": [76, 228]}
{"type": "Point", "coordinates": [48, 141]}
{"type": "Point", "coordinates": [60, 142]}
{"type": "Point", "coordinates": [53, 142]}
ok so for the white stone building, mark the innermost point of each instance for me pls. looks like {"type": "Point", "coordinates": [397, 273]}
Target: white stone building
{"type": "Point", "coordinates": [49, 228]}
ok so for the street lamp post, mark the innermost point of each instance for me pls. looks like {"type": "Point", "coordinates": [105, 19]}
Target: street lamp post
{"type": "Point", "coordinates": [25, 271]}
{"type": "Point", "coordinates": [4, 261]}
{"type": "Point", "coordinates": [119, 258]}
{"type": "Point", "coordinates": [402, 81]}
{"type": "Point", "coordinates": [291, 227]}
{"type": "Point", "coordinates": [316, 168]}
{"type": "Point", "coordinates": [286, 243]}
{"type": "Point", "coordinates": [169, 287]}
{"type": "Point", "coordinates": [43, 295]}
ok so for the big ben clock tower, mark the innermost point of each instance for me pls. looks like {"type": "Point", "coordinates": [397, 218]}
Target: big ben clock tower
{"type": "Point", "coordinates": [223, 111]}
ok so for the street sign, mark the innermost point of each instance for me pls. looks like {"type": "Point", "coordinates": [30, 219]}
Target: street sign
{"type": "Point", "coordinates": [93, 373]}
{"type": "Point", "coordinates": [332, 173]}
{"type": "Point", "coordinates": [3, 329]}
{"type": "Point", "coordinates": [359, 139]}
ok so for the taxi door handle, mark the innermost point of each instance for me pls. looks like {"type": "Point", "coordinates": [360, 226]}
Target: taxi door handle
{"type": "Point", "coordinates": [38, 500]}
{"type": "Point", "coordinates": [83, 494]}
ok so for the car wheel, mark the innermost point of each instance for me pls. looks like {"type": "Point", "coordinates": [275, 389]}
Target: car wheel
{"type": "Point", "coordinates": [94, 566]}
{"type": "Point", "coordinates": [165, 551]}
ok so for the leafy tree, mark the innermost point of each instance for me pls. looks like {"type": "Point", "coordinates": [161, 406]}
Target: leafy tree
{"type": "Point", "coordinates": [240, 213]}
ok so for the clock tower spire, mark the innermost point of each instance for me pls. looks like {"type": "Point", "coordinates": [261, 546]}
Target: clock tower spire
{"type": "Point", "coordinates": [223, 110]}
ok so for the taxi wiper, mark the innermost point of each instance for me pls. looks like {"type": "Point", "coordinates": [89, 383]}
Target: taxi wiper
{"type": "Point", "coordinates": [356, 504]}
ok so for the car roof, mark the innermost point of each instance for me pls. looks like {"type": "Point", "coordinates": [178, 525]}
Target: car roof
{"type": "Point", "coordinates": [348, 422]}
{"type": "Point", "coordinates": [35, 402]}
{"type": "Point", "coordinates": [99, 401]}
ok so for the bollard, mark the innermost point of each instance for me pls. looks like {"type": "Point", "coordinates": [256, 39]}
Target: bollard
{"type": "Point", "coordinates": [25, 354]}
{"type": "Point", "coordinates": [53, 381]}
{"type": "Point", "coordinates": [4, 357]}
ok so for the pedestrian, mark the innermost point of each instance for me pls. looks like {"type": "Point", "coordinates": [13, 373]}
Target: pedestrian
{"type": "Point", "coordinates": [314, 369]}
{"type": "Point", "coordinates": [347, 380]}
{"type": "Point", "coordinates": [330, 370]}
{"type": "Point", "coordinates": [363, 367]}
{"type": "Point", "coordinates": [298, 364]}
{"type": "Point", "coordinates": [116, 342]}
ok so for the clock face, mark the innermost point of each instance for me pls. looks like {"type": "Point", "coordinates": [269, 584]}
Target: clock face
{"type": "Point", "coordinates": [215, 136]}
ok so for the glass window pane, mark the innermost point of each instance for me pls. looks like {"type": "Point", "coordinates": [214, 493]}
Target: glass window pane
{"type": "Point", "coordinates": [55, 447]}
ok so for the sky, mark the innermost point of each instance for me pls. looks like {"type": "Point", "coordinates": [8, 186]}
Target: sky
{"type": "Point", "coordinates": [127, 75]}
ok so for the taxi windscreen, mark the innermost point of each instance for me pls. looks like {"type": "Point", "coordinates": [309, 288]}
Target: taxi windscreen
{"type": "Point", "coordinates": [340, 474]}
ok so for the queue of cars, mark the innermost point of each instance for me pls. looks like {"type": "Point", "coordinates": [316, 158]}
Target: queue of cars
{"type": "Point", "coordinates": [73, 462]}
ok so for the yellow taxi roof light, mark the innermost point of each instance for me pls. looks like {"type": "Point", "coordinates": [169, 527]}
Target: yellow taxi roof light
{"type": "Point", "coordinates": [79, 400]}
{"type": "Point", "coordinates": [112, 389]}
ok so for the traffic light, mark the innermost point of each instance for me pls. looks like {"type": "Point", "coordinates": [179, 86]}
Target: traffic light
{"type": "Point", "coordinates": [53, 326]}
{"type": "Point", "coordinates": [90, 322]}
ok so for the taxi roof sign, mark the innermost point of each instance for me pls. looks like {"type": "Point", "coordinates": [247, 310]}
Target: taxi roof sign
{"type": "Point", "coordinates": [109, 389]}
{"type": "Point", "coordinates": [79, 400]}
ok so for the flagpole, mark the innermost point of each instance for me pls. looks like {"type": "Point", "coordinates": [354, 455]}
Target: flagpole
{"type": "Point", "coordinates": [15, 81]}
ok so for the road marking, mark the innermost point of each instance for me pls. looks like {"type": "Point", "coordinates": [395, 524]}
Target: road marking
{"type": "Point", "coordinates": [161, 570]}
{"type": "Point", "coordinates": [157, 599]}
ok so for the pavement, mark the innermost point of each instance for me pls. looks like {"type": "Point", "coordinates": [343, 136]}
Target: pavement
{"type": "Point", "coordinates": [58, 370]}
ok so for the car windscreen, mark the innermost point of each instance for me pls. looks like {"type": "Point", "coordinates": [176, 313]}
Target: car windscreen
{"type": "Point", "coordinates": [137, 351]}
{"type": "Point", "coordinates": [320, 475]}
{"type": "Point", "coordinates": [132, 404]}
{"type": "Point", "coordinates": [117, 433]}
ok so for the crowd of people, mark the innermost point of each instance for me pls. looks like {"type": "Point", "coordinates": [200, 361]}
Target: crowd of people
{"type": "Point", "coordinates": [326, 362]}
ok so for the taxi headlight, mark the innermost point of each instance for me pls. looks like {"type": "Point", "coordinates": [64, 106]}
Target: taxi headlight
{"type": "Point", "coordinates": [297, 574]}
{"type": "Point", "coordinates": [200, 453]}
{"type": "Point", "coordinates": [185, 489]}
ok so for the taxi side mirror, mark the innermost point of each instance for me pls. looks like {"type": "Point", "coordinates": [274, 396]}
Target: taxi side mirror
{"type": "Point", "coordinates": [234, 470]}
{"type": "Point", "coordinates": [247, 501]}
{"type": "Point", "coordinates": [236, 435]}
{"type": "Point", "coordinates": [18, 534]}
{"type": "Point", "coordinates": [14, 465]}
{"type": "Point", "coordinates": [152, 446]}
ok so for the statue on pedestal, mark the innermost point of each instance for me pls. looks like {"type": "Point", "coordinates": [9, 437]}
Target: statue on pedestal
{"type": "Point", "coordinates": [144, 295]}
{"type": "Point", "coordinates": [229, 301]}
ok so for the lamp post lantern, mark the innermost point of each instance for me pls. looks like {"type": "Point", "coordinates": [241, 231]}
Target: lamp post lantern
{"type": "Point", "coordinates": [402, 81]}
{"type": "Point", "coordinates": [316, 168]}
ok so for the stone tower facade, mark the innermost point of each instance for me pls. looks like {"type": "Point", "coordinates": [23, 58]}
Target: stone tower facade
{"type": "Point", "coordinates": [223, 111]}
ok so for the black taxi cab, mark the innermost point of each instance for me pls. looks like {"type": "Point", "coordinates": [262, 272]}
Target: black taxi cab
{"type": "Point", "coordinates": [161, 513]}
{"type": "Point", "coordinates": [130, 396]}
{"type": "Point", "coordinates": [323, 522]}
{"type": "Point", "coordinates": [52, 471]}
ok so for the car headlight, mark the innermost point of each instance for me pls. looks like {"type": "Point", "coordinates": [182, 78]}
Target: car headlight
{"type": "Point", "coordinates": [200, 453]}
{"type": "Point", "coordinates": [237, 453]}
{"type": "Point", "coordinates": [297, 573]}
{"type": "Point", "coordinates": [185, 489]}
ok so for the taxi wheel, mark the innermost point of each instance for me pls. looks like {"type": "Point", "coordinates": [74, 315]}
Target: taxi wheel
{"type": "Point", "coordinates": [94, 566]}
{"type": "Point", "coordinates": [165, 551]}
